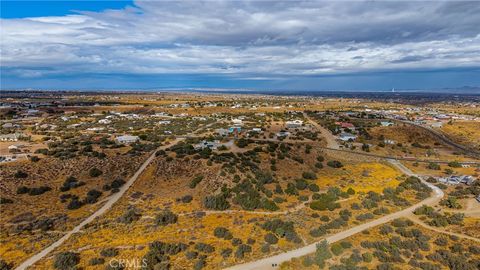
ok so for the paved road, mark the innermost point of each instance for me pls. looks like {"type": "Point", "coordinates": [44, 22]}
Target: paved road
{"type": "Point", "coordinates": [267, 263]}
{"type": "Point", "coordinates": [102, 210]}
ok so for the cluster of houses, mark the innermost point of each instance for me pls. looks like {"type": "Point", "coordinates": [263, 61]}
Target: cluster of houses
{"type": "Point", "coordinates": [346, 129]}
{"type": "Point", "coordinates": [455, 180]}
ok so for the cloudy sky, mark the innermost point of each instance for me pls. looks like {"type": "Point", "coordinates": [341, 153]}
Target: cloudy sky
{"type": "Point", "coordinates": [311, 45]}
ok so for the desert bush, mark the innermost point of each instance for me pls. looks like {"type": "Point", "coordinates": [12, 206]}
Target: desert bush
{"type": "Point", "coordinates": [109, 252]}
{"type": "Point", "coordinates": [222, 232]}
{"type": "Point", "coordinates": [92, 196]}
{"type": "Point", "coordinates": [22, 190]}
{"type": "Point", "coordinates": [117, 183]}
{"type": "Point", "coordinates": [241, 250]}
{"type": "Point", "coordinates": [367, 257]}
{"type": "Point", "coordinates": [271, 238]}
{"type": "Point", "coordinates": [95, 172]}
{"type": "Point", "coordinates": [66, 260]}
{"type": "Point", "coordinates": [202, 247]}
{"type": "Point", "coordinates": [314, 188]}
{"type": "Point", "coordinates": [74, 203]}
{"type": "Point", "coordinates": [96, 261]}
{"type": "Point", "coordinates": [336, 249]}
{"type": "Point", "coordinates": [226, 252]}
{"type": "Point", "coordinates": [5, 201]}
{"type": "Point", "coordinates": [325, 201]}
{"type": "Point", "coordinates": [191, 255]}
{"type": "Point", "coordinates": [335, 164]}
{"type": "Point", "coordinates": [38, 190]}
{"type": "Point", "coordinates": [441, 241]}
{"type": "Point", "coordinates": [5, 266]}
{"type": "Point", "coordinates": [322, 254]}
{"type": "Point", "coordinates": [433, 166]}
{"type": "Point", "coordinates": [195, 181]}
{"type": "Point", "coordinates": [20, 174]}
{"type": "Point", "coordinates": [130, 216]}
{"type": "Point", "coordinates": [187, 198]}
{"type": "Point", "coordinates": [216, 202]}
{"type": "Point", "coordinates": [166, 217]}
{"type": "Point", "coordinates": [309, 175]}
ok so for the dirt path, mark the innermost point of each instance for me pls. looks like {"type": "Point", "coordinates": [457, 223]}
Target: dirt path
{"type": "Point", "coordinates": [102, 210]}
{"type": "Point", "coordinates": [274, 261]}
{"type": "Point", "coordinates": [415, 219]}
{"type": "Point", "coordinates": [331, 140]}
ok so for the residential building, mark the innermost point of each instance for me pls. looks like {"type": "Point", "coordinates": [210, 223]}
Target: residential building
{"type": "Point", "coordinates": [127, 139]}
{"type": "Point", "coordinates": [12, 137]}
{"type": "Point", "coordinates": [207, 144]}
{"type": "Point", "coordinates": [222, 131]}
{"type": "Point", "coordinates": [347, 137]}
{"type": "Point", "coordinates": [294, 124]}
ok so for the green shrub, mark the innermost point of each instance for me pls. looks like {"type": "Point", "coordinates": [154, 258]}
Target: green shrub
{"type": "Point", "coordinates": [216, 202]}
{"type": "Point", "coordinates": [309, 175]}
{"type": "Point", "coordinates": [5, 200]}
{"type": "Point", "coordinates": [109, 252]}
{"type": "Point", "coordinates": [222, 232]}
{"type": "Point", "coordinates": [96, 261]}
{"type": "Point", "coordinates": [20, 174]}
{"type": "Point", "coordinates": [95, 172]}
{"type": "Point", "coordinates": [335, 164]}
{"type": "Point", "coordinates": [195, 181]}
{"type": "Point", "coordinates": [66, 260]}
{"type": "Point", "coordinates": [336, 249]}
{"type": "Point", "coordinates": [367, 257]}
{"type": "Point", "coordinates": [271, 238]}
{"type": "Point", "coordinates": [129, 216]}
{"type": "Point", "coordinates": [166, 217]}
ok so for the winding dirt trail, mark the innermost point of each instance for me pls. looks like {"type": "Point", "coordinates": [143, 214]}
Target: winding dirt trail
{"type": "Point", "coordinates": [415, 219]}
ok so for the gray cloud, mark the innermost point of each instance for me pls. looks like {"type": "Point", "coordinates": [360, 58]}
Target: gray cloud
{"type": "Point", "coordinates": [299, 38]}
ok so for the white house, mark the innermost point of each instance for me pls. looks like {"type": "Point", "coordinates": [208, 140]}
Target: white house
{"type": "Point", "coordinates": [294, 124]}
{"type": "Point", "coordinates": [222, 131]}
{"type": "Point", "coordinates": [13, 137]}
{"type": "Point", "coordinates": [127, 139]}
{"type": "Point", "coordinates": [237, 122]}
{"type": "Point", "coordinates": [104, 121]}
{"type": "Point", "coordinates": [347, 137]}
{"type": "Point", "coordinates": [95, 129]}
{"type": "Point", "coordinates": [283, 134]}
{"type": "Point", "coordinates": [164, 122]}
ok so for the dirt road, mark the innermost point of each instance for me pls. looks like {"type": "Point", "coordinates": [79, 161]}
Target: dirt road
{"type": "Point", "coordinates": [108, 204]}
{"type": "Point", "coordinates": [331, 140]}
{"type": "Point", "coordinates": [274, 261]}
